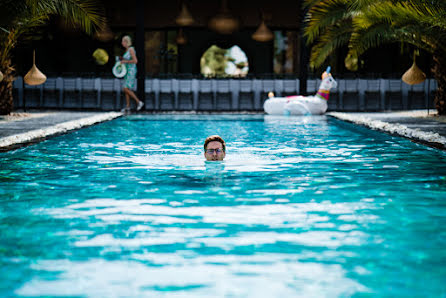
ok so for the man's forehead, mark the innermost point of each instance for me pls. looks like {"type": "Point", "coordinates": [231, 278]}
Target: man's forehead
{"type": "Point", "coordinates": [215, 144]}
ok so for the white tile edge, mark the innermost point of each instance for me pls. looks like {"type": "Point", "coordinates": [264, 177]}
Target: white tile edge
{"type": "Point", "coordinates": [402, 130]}
{"type": "Point", "coordinates": [57, 129]}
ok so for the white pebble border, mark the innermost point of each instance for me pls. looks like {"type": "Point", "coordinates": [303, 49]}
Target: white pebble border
{"type": "Point", "coordinates": [402, 130]}
{"type": "Point", "coordinates": [60, 128]}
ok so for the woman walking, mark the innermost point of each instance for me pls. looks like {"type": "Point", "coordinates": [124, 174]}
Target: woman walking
{"type": "Point", "coordinates": [130, 59]}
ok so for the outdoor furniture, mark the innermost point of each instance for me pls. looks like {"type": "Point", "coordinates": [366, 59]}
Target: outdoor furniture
{"type": "Point", "coordinates": [70, 93]}
{"type": "Point", "coordinates": [108, 95]}
{"type": "Point", "coordinates": [372, 95]}
{"type": "Point", "coordinates": [185, 95]}
{"type": "Point", "coordinates": [149, 102]}
{"type": "Point", "coordinates": [290, 87]}
{"type": "Point", "coordinates": [267, 87]}
{"type": "Point", "coordinates": [350, 95]}
{"type": "Point", "coordinates": [166, 95]}
{"type": "Point", "coordinates": [246, 95]}
{"type": "Point", "coordinates": [394, 95]}
{"type": "Point", "coordinates": [89, 94]}
{"type": "Point", "coordinates": [205, 96]}
{"type": "Point", "coordinates": [223, 96]}
{"type": "Point", "coordinates": [50, 94]}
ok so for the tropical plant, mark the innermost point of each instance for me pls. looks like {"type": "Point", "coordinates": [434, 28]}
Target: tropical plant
{"type": "Point", "coordinates": [20, 19]}
{"type": "Point", "coordinates": [365, 24]}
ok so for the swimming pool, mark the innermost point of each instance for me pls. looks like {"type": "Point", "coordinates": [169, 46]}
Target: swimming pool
{"type": "Point", "coordinates": [303, 206]}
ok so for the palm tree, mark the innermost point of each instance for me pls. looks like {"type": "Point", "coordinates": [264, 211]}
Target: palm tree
{"type": "Point", "coordinates": [20, 18]}
{"type": "Point", "coordinates": [364, 24]}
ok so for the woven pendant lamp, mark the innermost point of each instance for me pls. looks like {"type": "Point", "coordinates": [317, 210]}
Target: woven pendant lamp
{"type": "Point", "coordinates": [1, 76]}
{"type": "Point", "coordinates": [224, 22]}
{"type": "Point", "coordinates": [263, 34]}
{"type": "Point", "coordinates": [414, 75]}
{"type": "Point", "coordinates": [184, 18]}
{"type": "Point", "coordinates": [181, 38]}
{"type": "Point", "coordinates": [34, 75]}
{"type": "Point", "coordinates": [104, 34]}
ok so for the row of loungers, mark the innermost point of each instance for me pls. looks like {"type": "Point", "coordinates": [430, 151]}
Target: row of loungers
{"type": "Point", "coordinates": [220, 94]}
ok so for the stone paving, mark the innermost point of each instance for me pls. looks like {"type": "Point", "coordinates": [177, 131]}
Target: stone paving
{"type": "Point", "coordinates": [21, 129]}
{"type": "Point", "coordinates": [418, 126]}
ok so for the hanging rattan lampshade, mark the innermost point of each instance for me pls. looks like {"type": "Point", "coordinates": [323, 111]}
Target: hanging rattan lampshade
{"type": "Point", "coordinates": [263, 34]}
{"type": "Point", "coordinates": [414, 75]}
{"type": "Point", "coordinates": [181, 38]}
{"type": "Point", "coordinates": [34, 75]}
{"type": "Point", "coordinates": [184, 18]}
{"type": "Point", "coordinates": [104, 34]}
{"type": "Point", "coordinates": [224, 22]}
{"type": "Point", "coordinates": [1, 76]}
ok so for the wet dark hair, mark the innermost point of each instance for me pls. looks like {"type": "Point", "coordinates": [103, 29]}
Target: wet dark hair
{"type": "Point", "coordinates": [214, 138]}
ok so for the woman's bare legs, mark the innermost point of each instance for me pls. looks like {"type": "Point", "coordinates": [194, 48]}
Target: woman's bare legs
{"type": "Point", "coordinates": [129, 93]}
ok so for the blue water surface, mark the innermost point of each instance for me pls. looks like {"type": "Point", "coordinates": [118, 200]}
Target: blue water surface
{"type": "Point", "coordinates": [301, 206]}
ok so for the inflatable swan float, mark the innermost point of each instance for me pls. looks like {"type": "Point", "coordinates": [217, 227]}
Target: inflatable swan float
{"type": "Point", "coordinates": [303, 105]}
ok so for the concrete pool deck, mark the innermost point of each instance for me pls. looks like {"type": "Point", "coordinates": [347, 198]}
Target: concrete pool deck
{"type": "Point", "coordinates": [21, 129]}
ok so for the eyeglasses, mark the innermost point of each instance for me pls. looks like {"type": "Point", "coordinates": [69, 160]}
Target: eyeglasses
{"type": "Point", "coordinates": [211, 151]}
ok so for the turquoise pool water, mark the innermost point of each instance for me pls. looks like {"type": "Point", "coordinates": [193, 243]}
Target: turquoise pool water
{"type": "Point", "coordinates": [305, 206]}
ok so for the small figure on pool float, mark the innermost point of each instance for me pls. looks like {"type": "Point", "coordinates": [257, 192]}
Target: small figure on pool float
{"type": "Point", "coordinates": [302, 105]}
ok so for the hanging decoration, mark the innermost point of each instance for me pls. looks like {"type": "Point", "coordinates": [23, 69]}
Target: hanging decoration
{"type": "Point", "coordinates": [224, 22]}
{"type": "Point", "coordinates": [100, 56]}
{"type": "Point", "coordinates": [104, 34]}
{"type": "Point", "coordinates": [34, 75]}
{"type": "Point", "coordinates": [181, 38]}
{"type": "Point", "coordinates": [351, 62]}
{"type": "Point", "coordinates": [263, 34]}
{"type": "Point", "coordinates": [184, 18]}
{"type": "Point", "coordinates": [414, 75]}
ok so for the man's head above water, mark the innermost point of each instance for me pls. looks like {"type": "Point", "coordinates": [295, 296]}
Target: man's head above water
{"type": "Point", "coordinates": [214, 148]}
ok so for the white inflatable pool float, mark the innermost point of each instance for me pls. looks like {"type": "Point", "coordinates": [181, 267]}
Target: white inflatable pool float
{"type": "Point", "coordinates": [302, 105]}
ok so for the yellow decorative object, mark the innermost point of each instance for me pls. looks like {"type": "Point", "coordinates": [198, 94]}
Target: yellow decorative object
{"type": "Point", "coordinates": [184, 18]}
{"type": "Point", "coordinates": [1, 76]}
{"type": "Point", "coordinates": [34, 75]}
{"type": "Point", "coordinates": [351, 62]}
{"type": "Point", "coordinates": [263, 34]}
{"type": "Point", "coordinates": [101, 56]}
{"type": "Point", "coordinates": [414, 75]}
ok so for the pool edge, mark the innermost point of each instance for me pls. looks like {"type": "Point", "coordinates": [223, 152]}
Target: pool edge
{"type": "Point", "coordinates": [37, 135]}
{"type": "Point", "coordinates": [431, 139]}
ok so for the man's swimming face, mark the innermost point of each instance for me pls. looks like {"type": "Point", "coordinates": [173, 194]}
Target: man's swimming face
{"type": "Point", "coordinates": [214, 151]}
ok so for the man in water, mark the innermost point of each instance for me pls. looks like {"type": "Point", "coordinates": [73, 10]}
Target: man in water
{"type": "Point", "coordinates": [214, 148]}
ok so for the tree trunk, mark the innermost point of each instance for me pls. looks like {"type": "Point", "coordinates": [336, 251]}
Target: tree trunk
{"type": "Point", "coordinates": [6, 99]}
{"type": "Point", "coordinates": [439, 71]}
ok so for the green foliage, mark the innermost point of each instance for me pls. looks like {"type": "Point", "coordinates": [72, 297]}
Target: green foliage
{"type": "Point", "coordinates": [364, 24]}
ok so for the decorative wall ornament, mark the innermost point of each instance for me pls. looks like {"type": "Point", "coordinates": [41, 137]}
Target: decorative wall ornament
{"type": "Point", "coordinates": [34, 75]}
